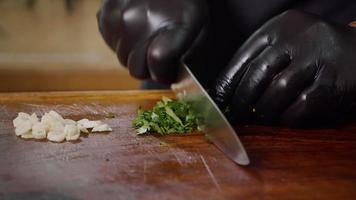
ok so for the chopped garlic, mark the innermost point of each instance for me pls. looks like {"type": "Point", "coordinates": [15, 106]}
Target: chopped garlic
{"type": "Point", "coordinates": [20, 118]}
{"type": "Point", "coordinates": [56, 116]}
{"type": "Point", "coordinates": [33, 118]}
{"type": "Point", "coordinates": [89, 124]}
{"type": "Point", "coordinates": [47, 120]}
{"type": "Point", "coordinates": [23, 115]}
{"type": "Point", "coordinates": [82, 121]}
{"type": "Point", "coordinates": [27, 135]}
{"type": "Point", "coordinates": [101, 128]}
{"type": "Point", "coordinates": [72, 132]}
{"type": "Point", "coordinates": [82, 128]}
{"type": "Point", "coordinates": [23, 127]}
{"type": "Point", "coordinates": [52, 123]}
{"type": "Point", "coordinates": [56, 136]}
{"type": "Point", "coordinates": [54, 127]}
{"type": "Point", "coordinates": [39, 130]}
{"type": "Point", "coordinates": [69, 121]}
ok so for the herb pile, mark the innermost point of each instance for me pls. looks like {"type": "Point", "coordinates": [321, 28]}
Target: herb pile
{"type": "Point", "coordinates": [166, 117]}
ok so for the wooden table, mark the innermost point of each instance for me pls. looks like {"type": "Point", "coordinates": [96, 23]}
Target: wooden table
{"type": "Point", "coordinates": [286, 164]}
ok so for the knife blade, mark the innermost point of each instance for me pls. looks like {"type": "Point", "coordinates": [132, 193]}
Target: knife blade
{"type": "Point", "coordinates": [215, 125]}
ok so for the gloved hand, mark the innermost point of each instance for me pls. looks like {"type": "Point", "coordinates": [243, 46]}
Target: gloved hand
{"type": "Point", "coordinates": [296, 68]}
{"type": "Point", "coordinates": [151, 36]}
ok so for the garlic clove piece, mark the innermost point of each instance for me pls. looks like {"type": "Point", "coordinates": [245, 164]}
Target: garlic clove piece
{"type": "Point", "coordinates": [20, 118]}
{"type": "Point", "coordinates": [69, 121]}
{"type": "Point", "coordinates": [39, 130]}
{"type": "Point", "coordinates": [72, 132]}
{"type": "Point", "coordinates": [34, 119]}
{"type": "Point", "coordinates": [89, 124]}
{"type": "Point", "coordinates": [56, 136]}
{"type": "Point", "coordinates": [27, 135]}
{"type": "Point", "coordinates": [102, 128]}
{"type": "Point", "coordinates": [23, 127]}
{"type": "Point", "coordinates": [82, 128]}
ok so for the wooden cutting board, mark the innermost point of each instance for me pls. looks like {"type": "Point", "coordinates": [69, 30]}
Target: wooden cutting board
{"type": "Point", "coordinates": [286, 164]}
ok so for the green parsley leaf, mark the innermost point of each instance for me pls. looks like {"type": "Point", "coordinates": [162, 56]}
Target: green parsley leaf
{"type": "Point", "coordinates": [166, 117]}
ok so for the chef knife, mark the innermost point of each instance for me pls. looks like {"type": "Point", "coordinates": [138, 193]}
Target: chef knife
{"type": "Point", "coordinates": [215, 125]}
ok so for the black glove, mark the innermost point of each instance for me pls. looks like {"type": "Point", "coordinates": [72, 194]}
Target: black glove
{"type": "Point", "coordinates": [151, 36]}
{"type": "Point", "coordinates": [296, 68]}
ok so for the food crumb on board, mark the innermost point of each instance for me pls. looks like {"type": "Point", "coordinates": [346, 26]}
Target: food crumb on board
{"type": "Point", "coordinates": [53, 127]}
{"type": "Point", "coordinates": [110, 115]}
{"type": "Point", "coordinates": [161, 143]}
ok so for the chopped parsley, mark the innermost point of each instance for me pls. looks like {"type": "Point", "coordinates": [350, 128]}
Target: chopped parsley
{"type": "Point", "coordinates": [166, 117]}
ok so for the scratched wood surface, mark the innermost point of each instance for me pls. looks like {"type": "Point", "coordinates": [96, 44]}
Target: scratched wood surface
{"type": "Point", "coordinates": [286, 164]}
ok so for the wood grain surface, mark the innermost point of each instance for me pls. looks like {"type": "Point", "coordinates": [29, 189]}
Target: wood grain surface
{"type": "Point", "coordinates": [286, 163]}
